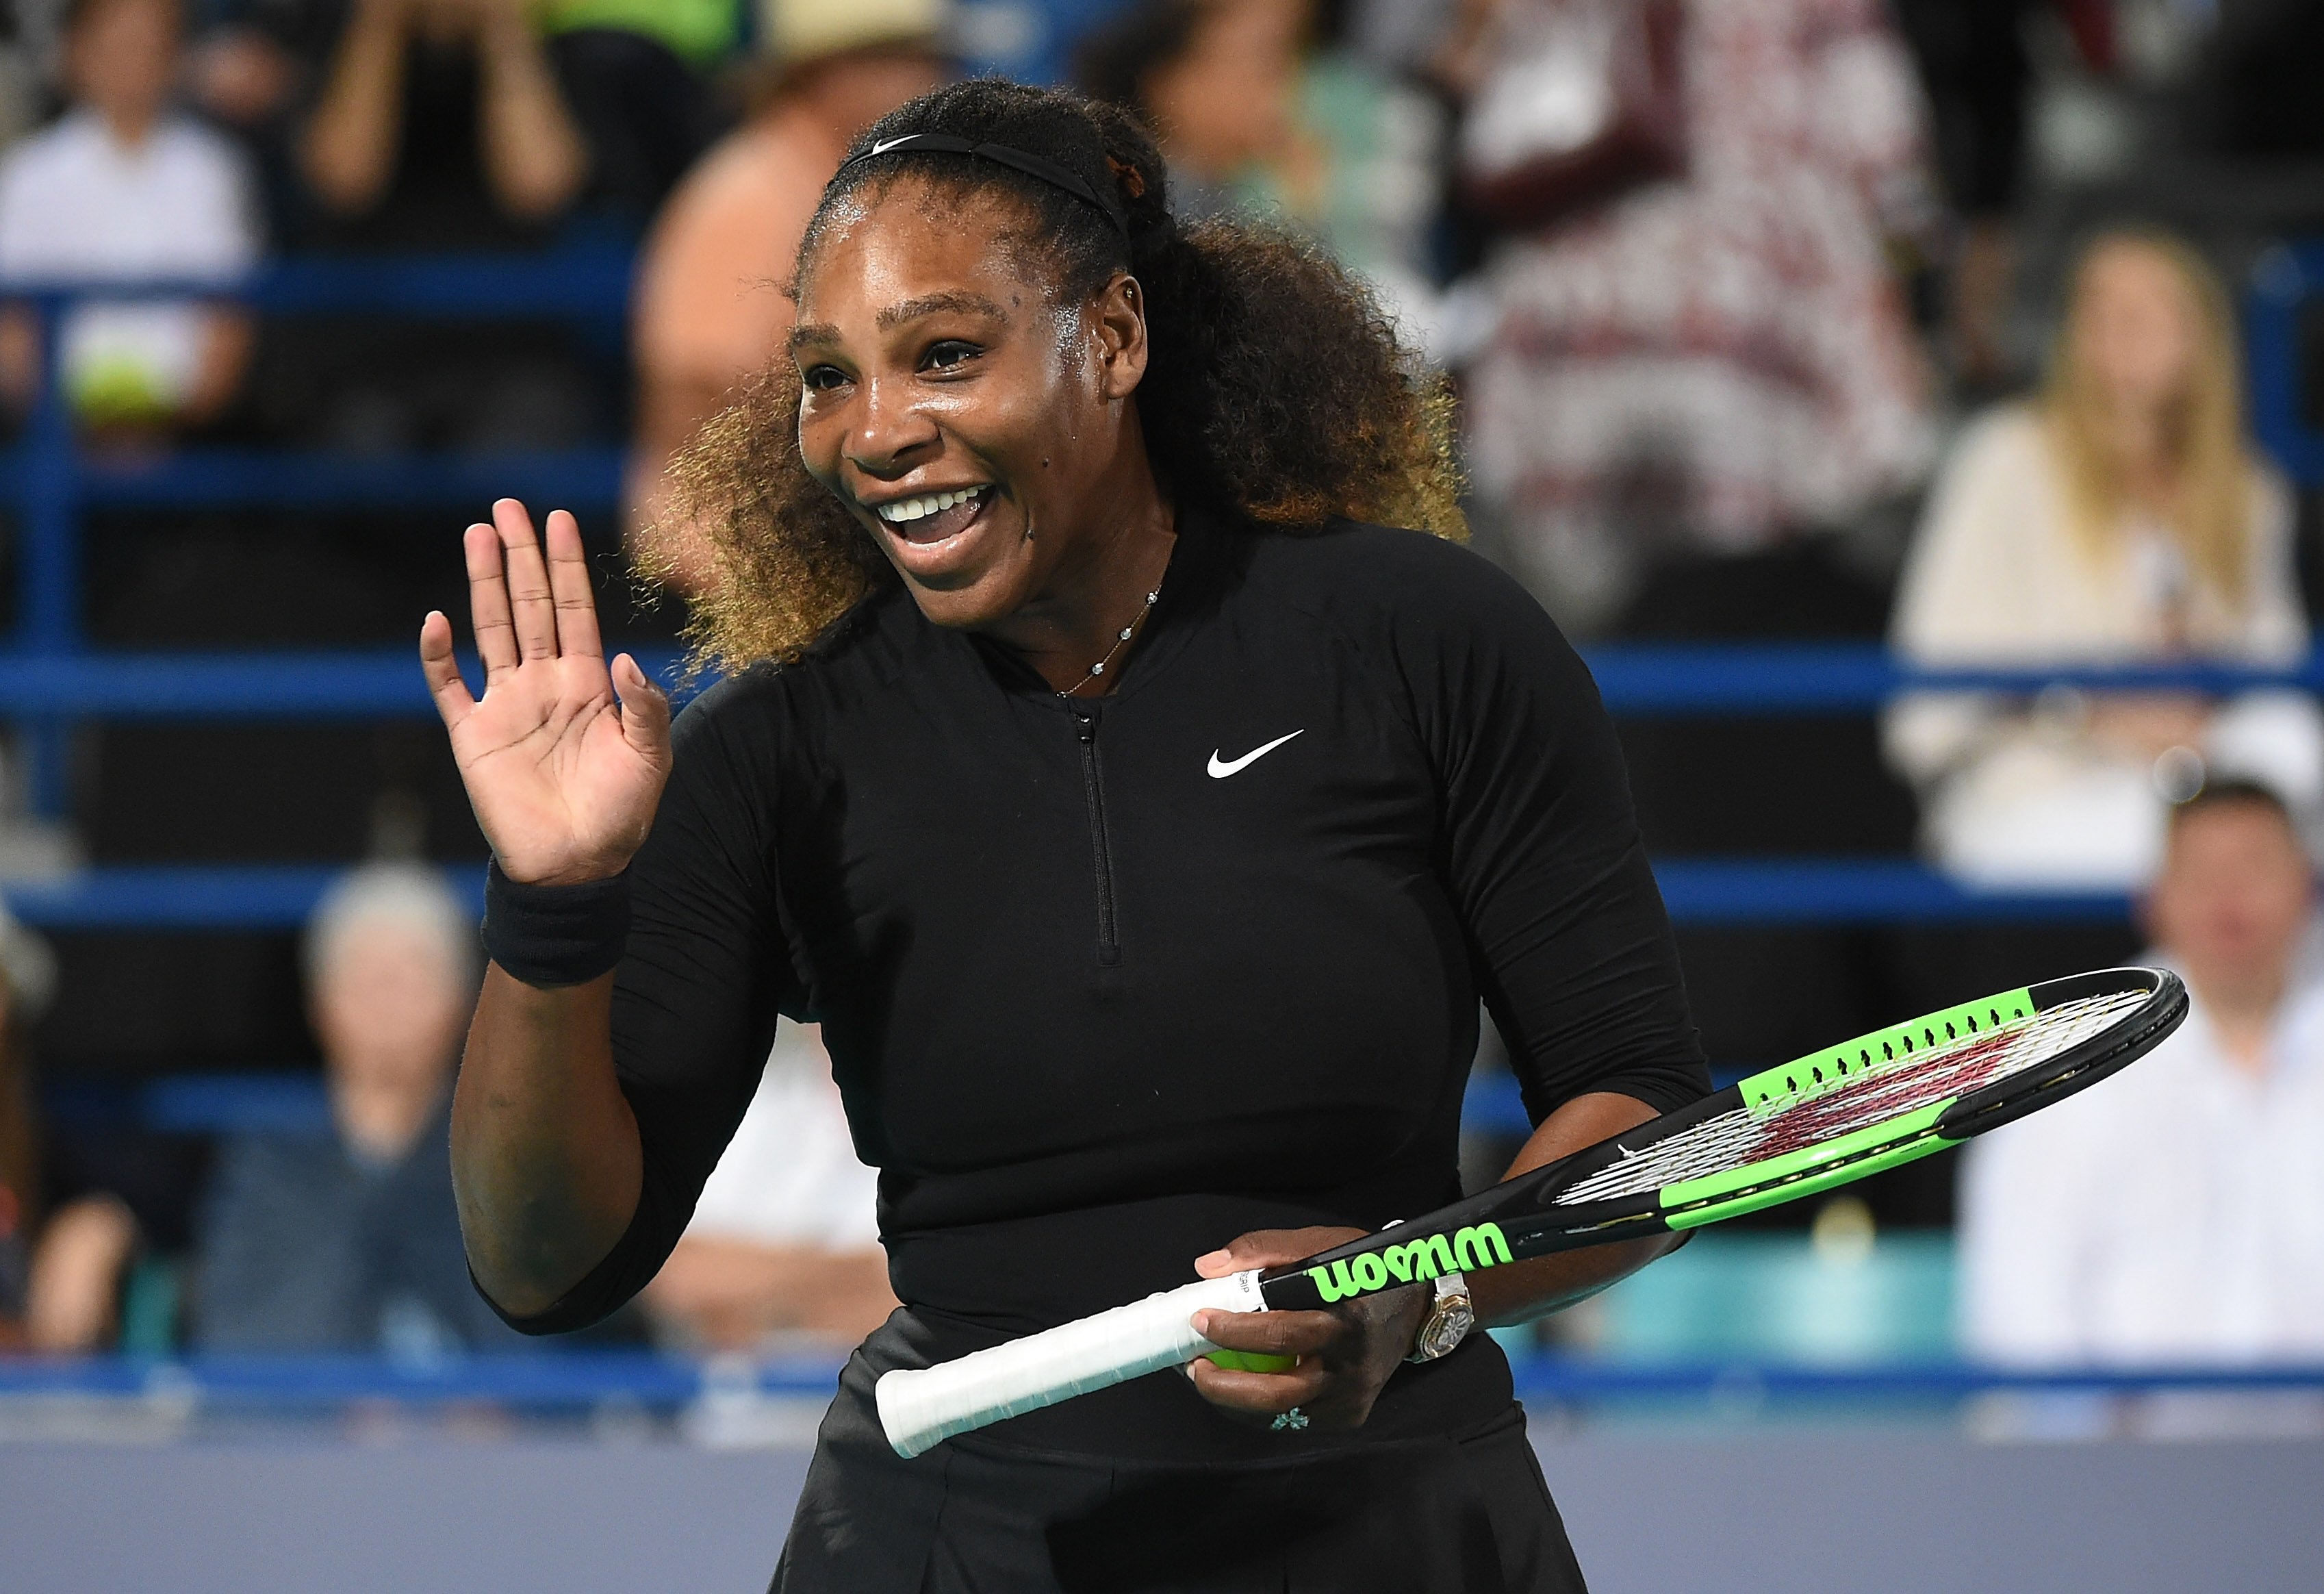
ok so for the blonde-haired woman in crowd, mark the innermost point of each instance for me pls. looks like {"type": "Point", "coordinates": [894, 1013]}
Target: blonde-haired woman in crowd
{"type": "Point", "coordinates": [2118, 517]}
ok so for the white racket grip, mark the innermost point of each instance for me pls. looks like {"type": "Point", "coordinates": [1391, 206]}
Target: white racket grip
{"type": "Point", "coordinates": [919, 1407]}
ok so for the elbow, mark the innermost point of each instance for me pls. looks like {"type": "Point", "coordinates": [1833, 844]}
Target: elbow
{"type": "Point", "coordinates": [529, 1269]}
{"type": "Point", "coordinates": [342, 184]}
{"type": "Point", "coordinates": [542, 193]}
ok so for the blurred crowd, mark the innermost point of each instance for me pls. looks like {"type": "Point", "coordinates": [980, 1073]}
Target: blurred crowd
{"type": "Point", "coordinates": [1772, 320]}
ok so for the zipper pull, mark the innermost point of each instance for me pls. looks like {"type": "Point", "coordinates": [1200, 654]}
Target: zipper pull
{"type": "Point", "coordinates": [1085, 722]}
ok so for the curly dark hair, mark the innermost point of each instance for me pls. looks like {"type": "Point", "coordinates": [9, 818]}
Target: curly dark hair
{"type": "Point", "coordinates": [1276, 393]}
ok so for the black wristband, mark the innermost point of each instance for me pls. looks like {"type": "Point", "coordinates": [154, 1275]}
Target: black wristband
{"type": "Point", "coordinates": [555, 935]}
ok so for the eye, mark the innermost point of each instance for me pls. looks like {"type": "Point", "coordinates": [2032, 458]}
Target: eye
{"type": "Point", "coordinates": [822, 378]}
{"type": "Point", "coordinates": [949, 355]}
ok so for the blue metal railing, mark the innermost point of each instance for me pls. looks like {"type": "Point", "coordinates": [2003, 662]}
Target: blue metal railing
{"type": "Point", "coordinates": [584, 1378]}
{"type": "Point", "coordinates": [51, 482]}
{"type": "Point", "coordinates": [1698, 891]}
{"type": "Point", "coordinates": [296, 1101]}
{"type": "Point", "coordinates": [2283, 279]}
{"type": "Point", "coordinates": [1637, 682]}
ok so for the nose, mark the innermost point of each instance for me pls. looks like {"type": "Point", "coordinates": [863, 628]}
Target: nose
{"type": "Point", "coordinates": [891, 434]}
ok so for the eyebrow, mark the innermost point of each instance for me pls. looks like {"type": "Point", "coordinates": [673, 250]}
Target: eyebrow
{"type": "Point", "coordinates": [896, 315]}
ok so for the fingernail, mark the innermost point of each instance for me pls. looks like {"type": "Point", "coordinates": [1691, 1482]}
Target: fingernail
{"type": "Point", "coordinates": [1202, 1324]}
{"type": "Point", "coordinates": [1208, 1258]}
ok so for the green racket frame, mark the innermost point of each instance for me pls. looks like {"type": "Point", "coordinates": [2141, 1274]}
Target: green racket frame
{"type": "Point", "coordinates": [1522, 1217]}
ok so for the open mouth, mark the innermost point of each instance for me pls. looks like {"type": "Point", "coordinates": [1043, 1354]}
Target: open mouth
{"type": "Point", "coordinates": [932, 517]}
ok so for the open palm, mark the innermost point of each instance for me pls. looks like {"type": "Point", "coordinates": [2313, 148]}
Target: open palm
{"type": "Point", "coordinates": [564, 760]}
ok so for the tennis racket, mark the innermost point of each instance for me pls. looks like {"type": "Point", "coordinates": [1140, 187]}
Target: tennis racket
{"type": "Point", "coordinates": [1830, 1117]}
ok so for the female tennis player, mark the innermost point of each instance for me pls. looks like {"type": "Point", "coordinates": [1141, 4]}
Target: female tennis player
{"type": "Point", "coordinates": [1143, 827]}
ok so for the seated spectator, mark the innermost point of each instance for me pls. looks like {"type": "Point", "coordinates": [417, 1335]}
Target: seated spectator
{"type": "Point", "coordinates": [350, 1240]}
{"type": "Point", "coordinates": [2175, 1213]}
{"type": "Point", "coordinates": [1219, 84]}
{"type": "Point", "coordinates": [1716, 361]}
{"type": "Point", "coordinates": [2118, 518]}
{"type": "Point", "coordinates": [785, 1241]}
{"type": "Point", "coordinates": [710, 308]}
{"type": "Point", "coordinates": [63, 1258]}
{"type": "Point", "coordinates": [1259, 110]}
{"type": "Point", "coordinates": [441, 127]}
{"type": "Point", "coordinates": [124, 187]}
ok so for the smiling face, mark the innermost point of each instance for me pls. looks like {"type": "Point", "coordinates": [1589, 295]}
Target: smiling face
{"type": "Point", "coordinates": [2135, 325]}
{"type": "Point", "coordinates": [2233, 898]}
{"type": "Point", "coordinates": [979, 427]}
{"type": "Point", "coordinates": [122, 59]}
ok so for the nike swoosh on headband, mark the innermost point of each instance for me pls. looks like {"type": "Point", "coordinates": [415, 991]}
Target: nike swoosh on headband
{"type": "Point", "coordinates": [1222, 767]}
{"type": "Point", "coordinates": [1025, 160]}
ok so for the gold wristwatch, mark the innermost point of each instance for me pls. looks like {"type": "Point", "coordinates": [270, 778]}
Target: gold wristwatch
{"type": "Point", "coordinates": [1450, 1318]}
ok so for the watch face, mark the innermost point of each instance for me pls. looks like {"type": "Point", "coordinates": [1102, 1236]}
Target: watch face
{"type": "Point", "coordinates": [1447, 1325]}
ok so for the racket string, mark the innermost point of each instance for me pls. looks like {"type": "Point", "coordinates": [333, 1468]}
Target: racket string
{"type": "Point", "coordinates": [1736, 1138]}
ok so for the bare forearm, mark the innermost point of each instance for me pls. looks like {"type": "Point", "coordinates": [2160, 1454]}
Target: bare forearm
{"type": "Point", "coordinates": [1528, 1290]}
{"type": "Point", "coordinates": [349, 149]}
{"type": "Point", "coordinates": [729, 1293]}
{"type": "Point", "coordinates": [533, 153]}
{"type": "Point", "coordinates": [76, 1276]}
{"type": "Point", "coordinates": [20, 358]}
{"type": "Point", "coordinates": [545, 1154]}
{"type": "Point", "coordinates": [227, 339]}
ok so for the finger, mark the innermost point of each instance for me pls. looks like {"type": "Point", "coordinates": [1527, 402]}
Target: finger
{"type": "Point", "coordinates": [453, 701]}
{"type": "Point", "coordinates": [529, 602]}
{"type": "Point", "coordinates": [569, 587]}
{"type": "Point", "coordinates": [1266, 1393]}
{"type": "Point", "coordinates": [645, 711]}
{"type": "Point", "coordinates": [1273, 1333]}
{"type": "Point", "coordinates": [1271, 1247]}
{"type": "Point", "coordinates": [488, 601]}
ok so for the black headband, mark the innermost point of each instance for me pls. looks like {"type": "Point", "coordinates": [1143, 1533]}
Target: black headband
{"type": "Point", "coordinates": [1030, 164]}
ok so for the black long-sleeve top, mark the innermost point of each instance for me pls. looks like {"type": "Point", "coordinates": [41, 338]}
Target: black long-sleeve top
{"type": "Point", "coordinates": [1106, 983]}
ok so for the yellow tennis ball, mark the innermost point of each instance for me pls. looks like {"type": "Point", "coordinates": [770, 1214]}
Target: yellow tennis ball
{"type": "Point", "coordinates": [1250, 1361]}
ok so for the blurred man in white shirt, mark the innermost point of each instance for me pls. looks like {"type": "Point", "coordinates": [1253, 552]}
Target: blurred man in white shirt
{"type": "Point", "coordinates": [124, 186]}
{"type": "Point", "coordinates": [2174, 1214]}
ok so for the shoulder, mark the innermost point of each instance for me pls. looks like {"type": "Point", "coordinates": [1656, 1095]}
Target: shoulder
{"type": "Point", "coordinates": [1447, 632]}
{"type": "Point", "coordinates": [1993, 500]}
{"type": "Point", "coordinates": [733, 713]}
{"type": "Point", "coordinates": [2274, 509]}
{"type": "Point", "coordinates": [750, 196]}
{"type": "Point", "coordinates": [770, 707]}
{"type": "Point", "coordinates": [53, 155]}
{"type": "Point", "coordinates": [2008, 438]}
{"type": "Point", "coordinates": [196, 147]}
{"type": "Point", "coordinates": [1377, 575]}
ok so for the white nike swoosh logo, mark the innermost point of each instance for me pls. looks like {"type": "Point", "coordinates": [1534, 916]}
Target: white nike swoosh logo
{"type": "Point", "coordinates": [1220, 768]}
{"type": "Point", "coordinates": [885, 145]}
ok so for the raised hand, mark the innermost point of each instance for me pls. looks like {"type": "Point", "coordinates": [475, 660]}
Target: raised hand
{"type": "Point", "coordinates": [564, 760]}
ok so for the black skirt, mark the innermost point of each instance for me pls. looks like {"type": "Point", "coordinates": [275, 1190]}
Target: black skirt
{"type": "Point", "coordinates": [1462, 1512]}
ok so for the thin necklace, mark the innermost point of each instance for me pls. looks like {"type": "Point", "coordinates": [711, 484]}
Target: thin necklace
{"type": "Point", "coordinates": [1120, 641]}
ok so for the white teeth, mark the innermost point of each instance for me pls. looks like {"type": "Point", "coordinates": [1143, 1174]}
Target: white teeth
{"type": "Point", "coordinates": [927, 504]}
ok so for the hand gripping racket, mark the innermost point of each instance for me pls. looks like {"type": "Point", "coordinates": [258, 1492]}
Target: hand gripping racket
{"type": "Point", "coordinates": [1830, 1117]}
